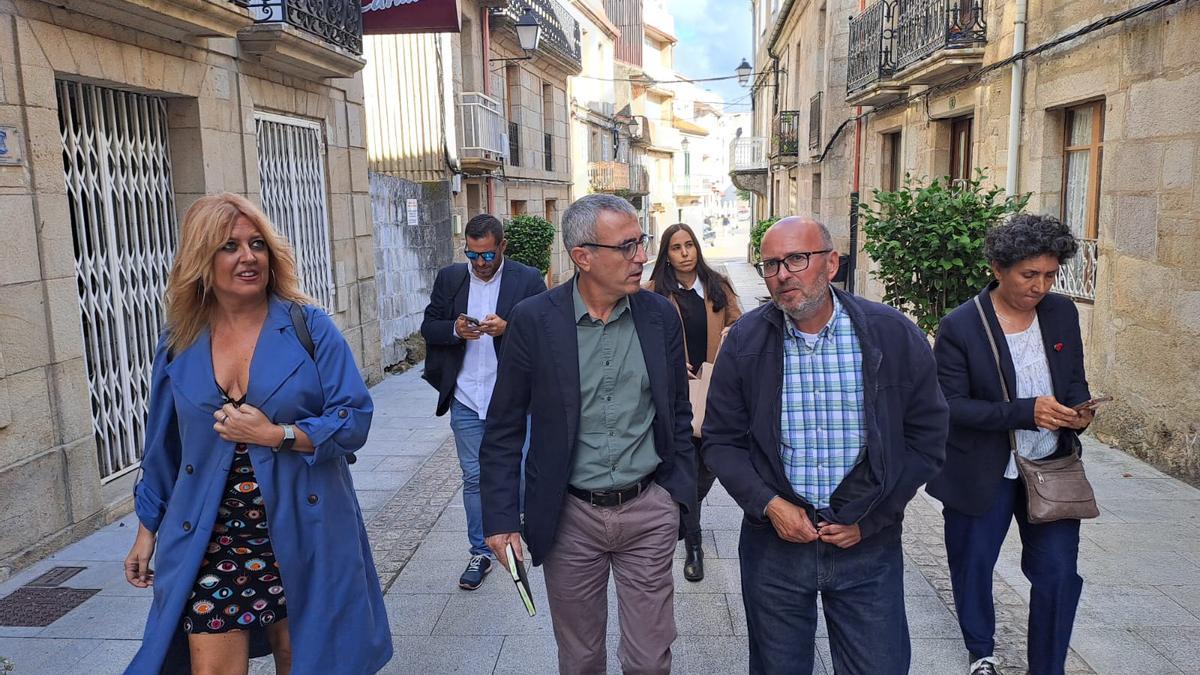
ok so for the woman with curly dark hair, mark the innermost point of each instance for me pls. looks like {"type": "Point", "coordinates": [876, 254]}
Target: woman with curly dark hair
{"type": "Point", "coordinates": [707, 307]}
{"type": "Point", "coordinates": [1041, 356]}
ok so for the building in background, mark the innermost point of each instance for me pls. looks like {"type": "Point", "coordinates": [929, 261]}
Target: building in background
{"type": "Point", "coordinates": [600, 132]}
{"type": "Point", "coordinates": [468, 122]}
{"type": "Point", "coordinates": [116, 117]}
{"type": "Point", "coordinates": [1100, 134]}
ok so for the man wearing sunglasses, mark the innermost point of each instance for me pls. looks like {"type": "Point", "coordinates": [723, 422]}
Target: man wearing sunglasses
{"type": "Point", "coordinates": [464, 327]}
{"type": "Point", "coordinates": [824, 416]}
{"type": "Point", "coordinates": [598, 363]}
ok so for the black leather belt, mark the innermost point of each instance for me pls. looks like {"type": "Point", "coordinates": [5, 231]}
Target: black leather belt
{"type": "Point", "coordinates": [615, 497]}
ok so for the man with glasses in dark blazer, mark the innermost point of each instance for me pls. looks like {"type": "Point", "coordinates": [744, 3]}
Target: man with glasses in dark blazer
{"type": "Point", "coordinates": [464, 328]}
{"type": "Point", "coordinates": [598, 363]}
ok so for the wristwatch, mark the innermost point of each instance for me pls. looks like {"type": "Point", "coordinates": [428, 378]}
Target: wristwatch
{"type": "Point", "coordinates": [289, 438]}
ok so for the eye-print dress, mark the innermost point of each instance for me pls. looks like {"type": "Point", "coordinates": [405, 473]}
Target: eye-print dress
{"type": "Point", "coordinates": [238, 586]}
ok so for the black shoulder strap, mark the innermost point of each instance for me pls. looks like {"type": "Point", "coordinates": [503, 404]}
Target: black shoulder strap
{"type": "Point", "coordinates": [301, 327]}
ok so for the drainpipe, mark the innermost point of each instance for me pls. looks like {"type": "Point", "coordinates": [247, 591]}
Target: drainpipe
{"type": "Point", "coordinates": [487, 91]}
{"type": "Point", "coordinates": [852, 260]}
{"type": "Point", "coordinates": [1014, 108]}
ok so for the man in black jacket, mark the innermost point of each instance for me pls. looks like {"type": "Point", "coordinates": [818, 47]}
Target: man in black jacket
{"type": "Point", "coordinates": [463, 328]}
{"type": "Point", "coordinates": [824, 416]}
{"type": "Point", "coordinates": [598, 363]}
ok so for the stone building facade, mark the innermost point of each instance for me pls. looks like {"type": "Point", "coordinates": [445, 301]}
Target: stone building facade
{"type": "Point", "coordinates": [1106, 139]}
{"type": "Point", "coordinates": [115, 117]}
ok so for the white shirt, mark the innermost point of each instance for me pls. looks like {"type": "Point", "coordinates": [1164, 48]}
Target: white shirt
{"type": "Point", "coordinates": [478, 375]}
{"type": "Point", "coordinates": [1033, 380]}
{"type": "Point", "coordinates": [696, 286]}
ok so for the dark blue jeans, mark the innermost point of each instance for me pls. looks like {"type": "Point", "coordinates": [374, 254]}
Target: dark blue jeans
{"type": "Point", "coordinates": [1049, 553]}
{"type": "Point", "coordinates": [862, 591]}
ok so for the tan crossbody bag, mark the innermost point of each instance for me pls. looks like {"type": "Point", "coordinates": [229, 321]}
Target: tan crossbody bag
{"type": "Point", "coordinates": [1055, 489]}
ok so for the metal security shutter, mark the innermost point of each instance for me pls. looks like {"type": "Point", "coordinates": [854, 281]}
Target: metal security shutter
{"type": "Point", "coordinates": [291, 166]}
{"type": "Point", "coordinates": [118, 175]}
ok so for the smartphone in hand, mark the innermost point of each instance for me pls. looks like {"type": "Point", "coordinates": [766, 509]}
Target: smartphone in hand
{"type": "Point", "coordinates": [471, 321]}
{"type": "Point", "coordinates": [1092, 404]}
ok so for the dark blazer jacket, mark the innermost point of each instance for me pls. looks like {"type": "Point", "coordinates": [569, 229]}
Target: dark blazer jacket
{"type": "Point", "coordinates": [978, 446]}
{"type": "Point", "coordinates": [445, 350]}
{"type": "Point", "coordinates": [539, 373]}
{"type": "Point", "coordinates": [903, 409]}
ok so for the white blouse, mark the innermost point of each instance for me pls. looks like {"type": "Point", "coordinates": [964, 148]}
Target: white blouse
{"type": "Point", "coordinates": [1033, 380]}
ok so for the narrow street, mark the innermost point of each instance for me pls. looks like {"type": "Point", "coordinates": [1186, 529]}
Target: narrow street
{"type": "Point", "coordinates": [1140, 560]}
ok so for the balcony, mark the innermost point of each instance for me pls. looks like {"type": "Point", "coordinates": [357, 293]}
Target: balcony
{"type": "Point", "coordinates": [938, 40]}
{"type": "Point", "coordinates": [618, 178]}
{"type": "Point", "coordinates": [174, 20]}
{"type": "Point", "coordinates": [871, 61]}
{"type": "Point", "coordinates": [484, 144]}
{"type": "Point", "coordinates": [785, 137]}
{"type": "Point", "coordinates": [691, 185]}
{"type": "Point", "coordinates": [1077, 276]}
{"type": "Point", "coordinates": [314, 39]}
{"type": "Point", "coordinates": [814, 124]}
{"type": "Point", "coordinates": [748, 164]}
{"type": "Point", "coordinates": [560, 30]}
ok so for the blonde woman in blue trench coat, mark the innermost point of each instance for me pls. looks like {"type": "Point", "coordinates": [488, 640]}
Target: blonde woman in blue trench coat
{"type": "Point", "coordinates": [246, 502]}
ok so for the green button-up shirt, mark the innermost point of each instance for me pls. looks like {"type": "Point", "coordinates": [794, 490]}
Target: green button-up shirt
{"type": "Point", "coordinates": [615, 446]}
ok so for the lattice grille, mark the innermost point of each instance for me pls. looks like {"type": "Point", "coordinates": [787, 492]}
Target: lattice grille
{"type": "Point", "coordinates": [118, 175]}
{"type": "Point", "coordinates": [291, 165]}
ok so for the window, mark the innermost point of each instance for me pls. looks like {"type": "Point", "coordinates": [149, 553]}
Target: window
{"type": "Point", "coordinates": [548, 125]}
{"type": "Point", "coordinates": [816, 195]}
{"type": "Point", "coordinates": [517, 207]}
{"type": "Point", "coordinates": [891, 172]}
{"type": "Point", "coordinates": [1082, 148]}
{"type": "Point", "coordinates": [512, 79]}
{"type": "Point", "coordinates": [960, 149]}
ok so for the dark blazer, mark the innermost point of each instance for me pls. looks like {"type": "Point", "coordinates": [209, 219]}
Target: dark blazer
{"type": "Point", "coordinates": [539, 373]}
{"type": "Point", "coordinates": [978, 447]}
{"type": "Point", "coordinates": [445, 350]}
{"type": "Point", "coordinates": [904, 413]}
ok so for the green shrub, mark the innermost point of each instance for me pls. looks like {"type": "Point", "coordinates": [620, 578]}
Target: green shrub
{"type": "Point", "coordinates": [756, 234]}
{"type": "Point", "coordinates": [529, 240]}
{"type": "Point", "coordinates": [927, 241]}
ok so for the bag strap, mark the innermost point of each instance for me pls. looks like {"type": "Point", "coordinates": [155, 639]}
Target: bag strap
{"type": "Point", "coordinates": [301, 326]}
{"type": "Point", "coordinates": [987, 330]}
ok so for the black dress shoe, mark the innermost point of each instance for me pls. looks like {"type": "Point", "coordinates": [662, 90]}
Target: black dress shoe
{"type": "Point", "coordinates": [693, 566]}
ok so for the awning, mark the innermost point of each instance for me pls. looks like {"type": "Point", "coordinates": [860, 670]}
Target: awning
{"type": "Point", "coordinates": [387, 17]}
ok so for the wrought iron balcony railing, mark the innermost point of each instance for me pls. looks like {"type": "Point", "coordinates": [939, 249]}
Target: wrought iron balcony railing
{"type": "Point", "coordinates": [925, 26]}
{"type": "Point", "coordinates": [785, 139]}
{"type": "Point", "coordinates": [616, 177]}
{"type": "Point", "coordinates": [560, 30]}
{"type": "Point", "coordinates": [338, 22]}
{"type": "Point", "coordinates": [748, 153]}
{"type": "Point", "coordinates": [871, 44]}
{"type": "Point", "coordinates": [483, 128]}
{"type": "Point", "coordinates": [814, 122]}
{"type": "Point", "coordinates": [1077, 276]}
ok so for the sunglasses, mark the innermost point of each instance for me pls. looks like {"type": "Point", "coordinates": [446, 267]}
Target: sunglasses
{"type": "Point", "coordinates": [488, 256]}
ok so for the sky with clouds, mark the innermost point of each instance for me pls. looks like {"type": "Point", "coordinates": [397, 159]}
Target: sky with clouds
{"type": "Point", "coordinates": [714, 37]}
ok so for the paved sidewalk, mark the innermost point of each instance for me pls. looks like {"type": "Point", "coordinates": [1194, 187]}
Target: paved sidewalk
{"type": "Point", "coordinates": [1140, 611]}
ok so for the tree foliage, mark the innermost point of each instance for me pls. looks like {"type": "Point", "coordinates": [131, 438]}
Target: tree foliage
{"type": "Point", "coordinates": [756, 234]}
{"type": "Point", "coordinates": [927, 242]}
{"type": "Point", "coordinates": [529, 240]}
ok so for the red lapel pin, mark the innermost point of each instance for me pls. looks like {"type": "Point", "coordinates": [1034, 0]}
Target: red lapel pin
{"type": "Point", "coordinates": [1058, 346]}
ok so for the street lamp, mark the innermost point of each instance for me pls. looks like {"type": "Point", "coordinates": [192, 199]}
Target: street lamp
{"type": "Point", "coordinates": [684, 144]}
{"type": "Point", "coordinates": [529, 31]}
{"type": "Point", "coordinates": [529, 36]}
{"type": "Point", "coordinates": [743, 72]}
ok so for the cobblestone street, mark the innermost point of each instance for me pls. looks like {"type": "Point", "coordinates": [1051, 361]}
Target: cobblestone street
{"type": "Point", "coordinates": [1140, 560]}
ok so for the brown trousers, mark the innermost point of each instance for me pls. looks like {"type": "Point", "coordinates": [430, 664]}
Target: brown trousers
{"type": "Point", "coordinates": [637, 542]}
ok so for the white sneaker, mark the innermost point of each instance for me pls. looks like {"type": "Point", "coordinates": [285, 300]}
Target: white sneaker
{"type": "Point", "coordinates": [988, 665]}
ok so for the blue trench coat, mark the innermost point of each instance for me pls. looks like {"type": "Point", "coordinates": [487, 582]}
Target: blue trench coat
{"type": "Point", "coordinates": [336, 614]}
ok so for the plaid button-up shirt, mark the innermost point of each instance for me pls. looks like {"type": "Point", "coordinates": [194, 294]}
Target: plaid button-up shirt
{"type": "Point", "coordinates": [822, 431]}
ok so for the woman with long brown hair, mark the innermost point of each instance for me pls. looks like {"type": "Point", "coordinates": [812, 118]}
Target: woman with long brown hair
{"type": "Point", "coordinates": [256, 405]}
{"type": "Point", "coordinates": [707, 306]}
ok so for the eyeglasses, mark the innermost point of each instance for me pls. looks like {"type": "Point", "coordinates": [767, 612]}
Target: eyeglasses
{"type": "Point", "coordinates": [488, 256]}
{"type": "Point", "coordinates": [794, 262]}
{"type": "Point", "coordinates": [628, 249]}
